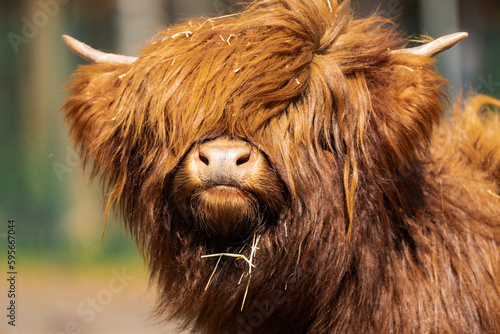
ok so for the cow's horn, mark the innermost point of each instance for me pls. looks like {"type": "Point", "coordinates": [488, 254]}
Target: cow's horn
{"type": "Point", "coordinates": [435, 47]}
{"type": "Point", "coordinates": [93, 55]}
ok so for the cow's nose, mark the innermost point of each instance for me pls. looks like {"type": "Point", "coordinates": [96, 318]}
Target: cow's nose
{"type": "Point", "coordinates": [224, 158]}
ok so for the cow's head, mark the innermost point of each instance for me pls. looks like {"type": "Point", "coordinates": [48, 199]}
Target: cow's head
{"type": "Point", "coordinates": [270, 125]}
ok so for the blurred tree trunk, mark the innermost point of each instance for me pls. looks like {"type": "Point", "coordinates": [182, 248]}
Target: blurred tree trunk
{"type": "Point", "coordinates": [137, 22]}
{"type": "Point", "coordinates": [439, 18]}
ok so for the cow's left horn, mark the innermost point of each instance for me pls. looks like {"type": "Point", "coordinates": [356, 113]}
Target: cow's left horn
{"type": "Point", "coordinates": [435, 47]}
{"type": "Point", "coordinates": [93, 55]}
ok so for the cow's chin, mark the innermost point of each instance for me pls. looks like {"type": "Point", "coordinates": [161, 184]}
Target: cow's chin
{"type": "Point", "coordinates": [225, 212]}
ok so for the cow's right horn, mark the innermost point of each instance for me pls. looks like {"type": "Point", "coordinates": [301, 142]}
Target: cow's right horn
{"type": "Point", "coordinates": [95, 56]}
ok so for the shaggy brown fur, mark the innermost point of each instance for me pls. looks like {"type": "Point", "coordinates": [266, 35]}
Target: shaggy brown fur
{"type": "Point", "coordinates": [383, 217]}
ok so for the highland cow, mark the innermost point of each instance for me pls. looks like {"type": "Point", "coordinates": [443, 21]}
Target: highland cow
{"type": "Point", "coordinates": [288, 169]}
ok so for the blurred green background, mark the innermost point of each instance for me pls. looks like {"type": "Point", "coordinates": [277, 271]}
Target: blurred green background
{"type": "Point", "coordinates": [58, 212]}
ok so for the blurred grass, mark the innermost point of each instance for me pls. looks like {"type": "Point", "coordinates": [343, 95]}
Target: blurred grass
{"type": "Point", "coordinates": [72, 254]}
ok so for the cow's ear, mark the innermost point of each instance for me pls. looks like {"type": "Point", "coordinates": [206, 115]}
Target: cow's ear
{"type": "Point", "coordinates": [407, 103]}
{"type": "Point", "coordinates": [89, 110]}
{"type": "Point", "coordinates": [408, 99]}
{"type": "Point", "coordinates": [89, 106]}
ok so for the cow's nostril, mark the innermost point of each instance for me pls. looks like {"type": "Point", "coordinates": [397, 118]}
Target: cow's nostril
{"type": "Point", "coordinates": [203, 159]}
{"type": "Point", "coordinates": [243, 159]}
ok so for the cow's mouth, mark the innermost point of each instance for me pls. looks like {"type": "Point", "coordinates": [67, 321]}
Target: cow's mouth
{"type": "Point", "coordinates": [227, 188]}
{"type": "Point", "coordinates": [223, 187]}
{"type": "Point", "coordinates": [220, 189]}
{"type": "Point", "coordinates": [225, 211]}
